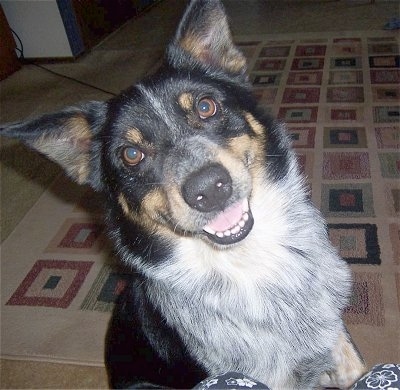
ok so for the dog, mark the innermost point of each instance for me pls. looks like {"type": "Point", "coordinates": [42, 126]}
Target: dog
{"type": "Point", "coordinates": [232, 269]}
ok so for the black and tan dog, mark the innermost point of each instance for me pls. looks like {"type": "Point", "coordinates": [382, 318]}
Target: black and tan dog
{"type": "Point", "coordinates": [232, 268]}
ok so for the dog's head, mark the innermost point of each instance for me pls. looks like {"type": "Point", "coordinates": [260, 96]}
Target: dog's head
{"type": "Point", "coordinates": [178, 153]}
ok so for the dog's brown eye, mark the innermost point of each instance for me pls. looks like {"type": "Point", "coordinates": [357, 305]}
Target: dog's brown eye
{"type": "Point", "coordinates": [206, 108]}
{"type": "Point", "coordinates": [132, 155]}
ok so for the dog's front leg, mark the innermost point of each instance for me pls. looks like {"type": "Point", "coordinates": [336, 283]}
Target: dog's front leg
{"type": "Point", "coordinates": [348, 364]}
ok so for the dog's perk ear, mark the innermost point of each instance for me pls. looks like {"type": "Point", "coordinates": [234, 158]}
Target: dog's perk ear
{"type": "Point", "coordinates": [204, 34]}
{"type": "Point", "coordinates": [67, 137]}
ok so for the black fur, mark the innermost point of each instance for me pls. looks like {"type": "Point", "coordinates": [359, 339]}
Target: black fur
{"type": "Point", "coordinates": [137, 332]}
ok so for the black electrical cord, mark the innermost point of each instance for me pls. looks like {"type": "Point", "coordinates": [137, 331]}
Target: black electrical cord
{"type": "Point", "coordinates": [21, 50]}
{"type": "Point", "coordinates": [24, 60]}
{"type": "Point", "coordinates": [71, 78]}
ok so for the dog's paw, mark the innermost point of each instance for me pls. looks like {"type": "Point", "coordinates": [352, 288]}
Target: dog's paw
{"type": "Point", "coordinates": [349, 366]}
{"type": "Point", "coordinates": [340, 379]}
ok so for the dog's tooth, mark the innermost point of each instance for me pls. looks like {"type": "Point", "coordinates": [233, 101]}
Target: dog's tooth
{"type": "Point", "coordinates": [235, 230]}
{"type": "Point", "coordinates": [245, 205]}
{"type": "Point", "coordinates": [220, 234]}
{"type": "Point", "coordinates": [209, 230]}
{"type": "Point", "coordinates": [227, 233]}
{"type": "Point", "coordinates": [242, 223]}
{"type": "Point", "coordinates": [245, 217]}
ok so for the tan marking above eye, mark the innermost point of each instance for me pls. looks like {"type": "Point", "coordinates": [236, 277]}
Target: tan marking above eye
{"type": "Point", "coordinates": [206, 108]}
{"type": "Point", "coordinates": [134, 135]}
{"type": "Point", "coordinates": [186, 101]}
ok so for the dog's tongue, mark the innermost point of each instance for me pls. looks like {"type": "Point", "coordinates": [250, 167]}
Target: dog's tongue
{"type": "Point", "coordinates": [227, 218]}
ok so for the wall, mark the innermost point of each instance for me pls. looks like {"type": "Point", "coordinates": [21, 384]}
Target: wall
{"type": "Point", "coordinates": [39, 25]}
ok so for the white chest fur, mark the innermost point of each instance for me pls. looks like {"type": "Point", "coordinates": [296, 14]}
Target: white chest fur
{"type": "Point", "coordinates": [263, 306]}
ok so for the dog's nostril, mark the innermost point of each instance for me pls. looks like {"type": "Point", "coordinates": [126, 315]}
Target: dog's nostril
{"type": "Point", "coordinates": [208, 188]}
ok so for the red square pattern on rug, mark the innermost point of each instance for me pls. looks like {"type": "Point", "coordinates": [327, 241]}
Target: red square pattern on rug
{"type": "Point", "coordinates": [305, 160]}
{"type": "Point", "coordinates": [385, 76]}
{"type": "Point", "coordinates": [346, 50]}
{"type": "Point", "coordinates": [383, 48]}
{"type": "Point", "coordinates": [104, 292]}
{"type": "Point", "coordinates": [347, 200]}
{"type": "Point", "coordinates": [366, 304]}
{"type": "Point", "coordinates": [345, 95]}
{"type": "Point", "coordinates": [302, 137]}
{"type": "Point", "coordinates": [394, 232]}
{"type": "Point", "coordinates": [386, 114]}
{"type": "Point", "coordinates": [307, 63]}
{"type": "Point", "coordinates": [390, 165]}
{"type": "Point", "coordinates": [346, 63]}
{"type": "Point", "coordinates": [347, 41]}
{"type": "Point", "coordinates": [346, 46]}
{"type": "Point", "coordinates": [304, 78]}
{"type": "Point", "coordinates": [310, 50]}
{"type": "Point", "coordinates": [384, 62]}
{"type": "Point", "coordinates": [386, 94]}
{"type": "Point", "coordinates": [346, 77]}
{"type": "Point", "coordinates": [351, 165]}
{"type": "Point", "coordinates": [356, 243]}
{"type": "Point", "coordinates": [301, 95]}
{"type": "Point", "coordinates": [270, 64]}
{"type": "Point", "coordinates": [298, 114]}
{"type": "Point", "coordinates": [51, 283]}
{"type": "Point", "coordinates": [343, 114]}
{"type": "Point", "coordinates": [302, 160]}
{"type": "Point", "coordinates": [266, 80]}
{"type": "Point", "coordinates": [344, 137]}
{"type": "Point", "coordinates": [392, 198]}
{"type": "Point", "coordinates": [81, 235]}
{"type": "Point", "coordinates": [275, 51]}
{"type": "Point", "coordinates": [388, 137]}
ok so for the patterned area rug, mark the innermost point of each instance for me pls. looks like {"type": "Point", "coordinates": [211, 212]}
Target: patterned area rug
{"type": "Point", "coordinates": [339, 94]}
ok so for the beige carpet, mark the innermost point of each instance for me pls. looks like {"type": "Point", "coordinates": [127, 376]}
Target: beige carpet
{"type": "Point", "coordinates": [339, 94]}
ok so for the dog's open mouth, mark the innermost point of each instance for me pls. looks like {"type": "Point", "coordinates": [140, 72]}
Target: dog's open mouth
{"type": "Point", "coordinates": [231, 225]}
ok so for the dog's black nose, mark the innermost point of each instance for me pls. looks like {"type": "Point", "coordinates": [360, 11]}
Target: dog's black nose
{"type": "Point", "coordinates": [208, 189]}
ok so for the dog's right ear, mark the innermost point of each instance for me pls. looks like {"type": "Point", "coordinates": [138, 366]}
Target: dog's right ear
{"type": "Point", "coordinates": [67, 137]}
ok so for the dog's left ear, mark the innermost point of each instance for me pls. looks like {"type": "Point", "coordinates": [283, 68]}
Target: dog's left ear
{"type": "Point", "coordinates": [204, 34]}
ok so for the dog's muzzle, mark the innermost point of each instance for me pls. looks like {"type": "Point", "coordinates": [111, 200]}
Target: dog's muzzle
{"type": "Point", "coordinates": [209, 190]}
